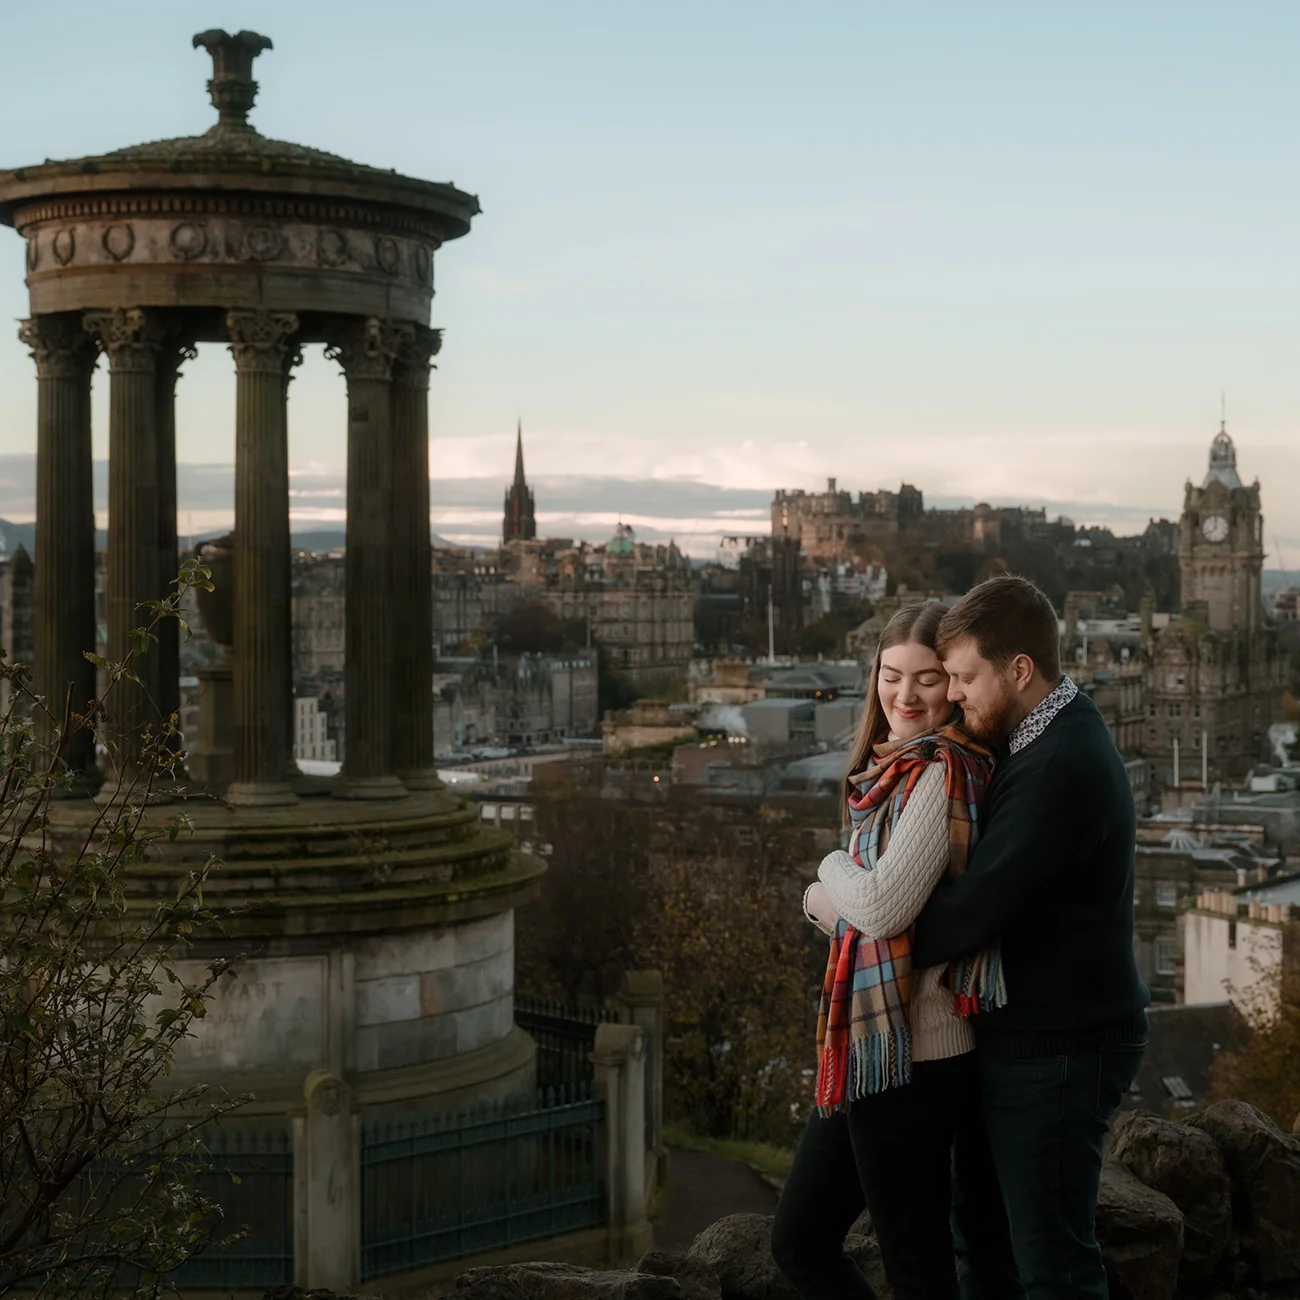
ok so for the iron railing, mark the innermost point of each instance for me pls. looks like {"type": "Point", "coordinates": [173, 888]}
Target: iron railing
{"type": "Point", "coordinates": [440, 1187]}
{"type": "Point", "coordinates": [565, 1033]}
{"type": "Point", "coordinates": [251, 1178]}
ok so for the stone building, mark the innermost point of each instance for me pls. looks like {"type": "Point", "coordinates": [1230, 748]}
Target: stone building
{"type": "Point", "coordinates": [1168, 876]}
{"type": "Point", "coordinates": [824, 523]}
{"type": "Point", "coordinates": [1241, 949]}
{"type": "Point", "coordinates": [1215, 673]}
{"type": "Point", "coordinates": [515, 700]}
{"type": "Point", "coordinates": [319, 623]}
{"type": "Point", "coordinates": [637, 600]}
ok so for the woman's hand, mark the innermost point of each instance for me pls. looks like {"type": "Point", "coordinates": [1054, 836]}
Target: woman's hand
{"type": "Point", "coordinates": [817, 903]}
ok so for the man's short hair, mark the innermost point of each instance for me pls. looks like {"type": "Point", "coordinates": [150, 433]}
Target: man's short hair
{"type": "Point", "coordinates": [1006, 616]}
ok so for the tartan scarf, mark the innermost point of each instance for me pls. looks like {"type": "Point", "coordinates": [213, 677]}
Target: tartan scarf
{"type": "Point", "coordinates": [864, 1042]}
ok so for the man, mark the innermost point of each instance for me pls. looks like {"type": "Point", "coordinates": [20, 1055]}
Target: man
{"type": "Point", "coordinates": [1051, 881]}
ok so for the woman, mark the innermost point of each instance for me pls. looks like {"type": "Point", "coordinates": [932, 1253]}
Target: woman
{"type": "Point", "coordinates": [896, 1077]}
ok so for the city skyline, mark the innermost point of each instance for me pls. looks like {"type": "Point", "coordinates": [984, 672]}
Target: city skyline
{"type": "Point", "coordinates": [1012, 259]}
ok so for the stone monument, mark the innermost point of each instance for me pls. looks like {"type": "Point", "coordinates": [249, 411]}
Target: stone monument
{"type": "Point", "coordinates": [379, 911]}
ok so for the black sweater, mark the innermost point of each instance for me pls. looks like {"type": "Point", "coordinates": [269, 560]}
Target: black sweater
{"type": "Point", "coordinates": [1051, 876]}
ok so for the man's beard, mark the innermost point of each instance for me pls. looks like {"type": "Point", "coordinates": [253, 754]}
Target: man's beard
{"type": "Point", "coordinates": [992, 725]}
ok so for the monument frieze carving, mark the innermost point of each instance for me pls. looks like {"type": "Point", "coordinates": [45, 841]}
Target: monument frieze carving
{"type": "Point", "coordinates": [188, 240]}
{"type": "Point", "coordinates": [118, 240]}
{"type": "Point", "coordinates": [332, 247]}
{"type": "Point", "coordinates": [161, 241]}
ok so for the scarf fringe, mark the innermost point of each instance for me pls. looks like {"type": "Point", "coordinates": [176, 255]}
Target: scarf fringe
{"type": "Point", "coordinates": [978, 983]}
{"type": "Point", "coordinates": [862, 1067]}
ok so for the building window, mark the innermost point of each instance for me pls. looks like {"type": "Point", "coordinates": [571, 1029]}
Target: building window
{"type": "Point", "coordinates": [1166, 956]}
{"type": "Point", "coordinates": [1166, 893]}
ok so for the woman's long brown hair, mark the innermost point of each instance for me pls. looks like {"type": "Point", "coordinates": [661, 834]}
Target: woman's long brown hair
{"type": "Point", "coordinates": [919, 623]}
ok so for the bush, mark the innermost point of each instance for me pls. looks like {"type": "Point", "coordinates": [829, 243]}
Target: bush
{"type": "Point", "coordinates": [97, 1158]}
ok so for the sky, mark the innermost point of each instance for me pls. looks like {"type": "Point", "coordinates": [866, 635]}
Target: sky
{"type": "Point", "coordinates": [1011, 251]}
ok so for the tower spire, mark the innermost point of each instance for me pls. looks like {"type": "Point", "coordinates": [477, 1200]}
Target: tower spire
{"type": "Point", "coordinates": [519, 453]}
{"type": "Point", "coordinates": [520, 522]}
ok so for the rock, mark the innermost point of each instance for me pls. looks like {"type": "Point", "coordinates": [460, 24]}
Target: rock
{"type": "Point", "coordinates": [1264, 1166]}
{"type": "Point", "coordinates": [1141, 1236]}
{"type": "Point", "coordinates": [696, 1279]}
{"type": "Point", "coordinates": [291, 1292]}
{"type": "Point", "coordinates": [739, 1251]}
{"type": "Point", "coordinates": [1186, 1165]}
{"type": "Point", "coordinates": [660, 1276]}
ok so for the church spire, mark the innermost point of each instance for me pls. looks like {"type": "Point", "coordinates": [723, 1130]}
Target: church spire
{"type": "Point", "coordinates": [520, 522]}
{"type": "Point", "coordinates": [519, 455]}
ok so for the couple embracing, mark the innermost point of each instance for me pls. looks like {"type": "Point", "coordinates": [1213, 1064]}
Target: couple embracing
{"type": "Point", "coordinates": [982, 1015]}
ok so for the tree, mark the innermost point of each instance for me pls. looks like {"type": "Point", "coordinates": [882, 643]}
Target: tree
{"type": "Point", "coordinates": [708, 894]}
{"type": "Point", "coordinates": [1266, 1071]}
{"type": "Point", "coordinates": [97, 1158]}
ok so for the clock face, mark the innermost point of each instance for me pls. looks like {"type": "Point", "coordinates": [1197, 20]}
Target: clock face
{"type": "Point", "coordinates": [1215, 528]}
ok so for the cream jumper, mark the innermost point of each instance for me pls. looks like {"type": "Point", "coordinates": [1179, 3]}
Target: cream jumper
{"type": "Point", "coordinates": [885, 902]}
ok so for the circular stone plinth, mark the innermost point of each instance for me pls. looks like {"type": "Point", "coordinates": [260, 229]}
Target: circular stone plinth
{"type": "Point", "coordinates": [374, 940]}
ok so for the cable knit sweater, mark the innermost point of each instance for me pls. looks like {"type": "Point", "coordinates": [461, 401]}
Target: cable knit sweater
{"type": "Point", "coordinates": [887, 900]}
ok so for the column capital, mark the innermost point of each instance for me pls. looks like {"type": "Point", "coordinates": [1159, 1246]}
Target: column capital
{"type": "Point", "coordinates": [366, 346]}
{"type": "Point", "coordinates": [415, 353]}
{"type": "Point", "coordinates": [59, 345]}
{"type": "Point", "coordinates": [260, 339]}
{"type": "Point", "coordinates": [131, 336]}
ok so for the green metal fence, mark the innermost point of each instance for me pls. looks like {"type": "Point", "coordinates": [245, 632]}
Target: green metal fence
{"type": "Point", "coordinates": [443, 1186]}
{"type": "Point", "coordinates": [251, 1178]}
{"type": "Point", "coordinates": [565, 1033]}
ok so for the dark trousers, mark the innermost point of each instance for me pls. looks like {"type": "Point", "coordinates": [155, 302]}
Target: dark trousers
{"type": "Point", "coordinates": [892, 1154]}
{"type": "Point", "coordinates": [1046, 1120]}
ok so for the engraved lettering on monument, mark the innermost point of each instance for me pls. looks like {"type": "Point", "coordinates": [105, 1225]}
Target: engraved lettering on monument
{"type": "Point", "coordinates": [271, 1014]}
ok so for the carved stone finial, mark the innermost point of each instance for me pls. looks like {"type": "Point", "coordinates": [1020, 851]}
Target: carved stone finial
{"type": "Point", "coordinates": [232, 87]}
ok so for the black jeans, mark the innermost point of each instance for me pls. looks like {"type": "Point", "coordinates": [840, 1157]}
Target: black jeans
{"type": "Point", "coordinates": [1046, 1120]}
{"type": "Point", "coordinates": [892, 1154]}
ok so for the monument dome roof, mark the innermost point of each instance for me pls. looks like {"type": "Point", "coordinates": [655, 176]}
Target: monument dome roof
{"type": "Point", "coordinates": [233, 154]}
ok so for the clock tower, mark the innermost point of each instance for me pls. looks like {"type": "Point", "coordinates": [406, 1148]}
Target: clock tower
{"type": "Point", "coordinates": [1221, 545]}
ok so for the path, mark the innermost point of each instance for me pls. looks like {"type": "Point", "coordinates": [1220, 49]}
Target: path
{"type": "Point", "coordinates": [701, 1190]}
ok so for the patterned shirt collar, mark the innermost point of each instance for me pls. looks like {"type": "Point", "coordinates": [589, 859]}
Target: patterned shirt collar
{"type": "Point", "coordinates": [1035, 722]}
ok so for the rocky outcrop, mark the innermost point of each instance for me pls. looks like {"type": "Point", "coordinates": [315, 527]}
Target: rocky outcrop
{"type": "Point", "coordinates": [661, 1275]}
{"type": "Point", "coordinates": [1263, 1164]}
{"type": "Point", "coordinates": [738, 1249]}
{"type": "Point", "coordinates": [1141, 1236]}
{"type": "Point", "coordinates": [1186, 1166]}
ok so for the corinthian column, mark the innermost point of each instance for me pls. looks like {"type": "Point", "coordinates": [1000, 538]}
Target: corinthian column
{"type": "Point", "coordinates": [65, 524]}
{"type": "Point", "coordinates": [261, 342]}
{"type": "Point", "coordinates": [132, 338]}
{"type": "Point", "coordinates": [366, 349]}
{"type": "Point", "coordinates": [412, 683]}
{"type": "Point", "coordinates": [174, 352]}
